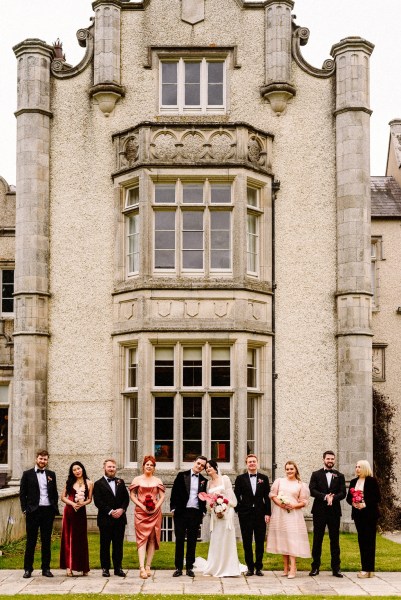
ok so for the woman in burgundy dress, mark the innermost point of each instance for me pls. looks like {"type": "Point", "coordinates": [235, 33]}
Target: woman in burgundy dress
{"type": "Point", "coordinates": [147, 493]}
{"type": "Point", "coordinates": [74, 554]}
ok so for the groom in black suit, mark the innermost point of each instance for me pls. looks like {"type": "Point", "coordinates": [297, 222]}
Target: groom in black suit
{"type": "Point", "coordinates": [254, 510]}
{"type": "Point", "coordinates": [327, 487]}
{"type": "Point", "coordinates": [111, 498]}
{"type": "Point", "coordinates": [188, 511]}
{"type": "Point", "coordinates": [39, 503]}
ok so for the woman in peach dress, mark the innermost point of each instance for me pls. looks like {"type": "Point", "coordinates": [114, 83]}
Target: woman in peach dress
{"type": "Point", "coordinates": [147, 493]}
{"type": "Point", "coordinates": [287, 529]}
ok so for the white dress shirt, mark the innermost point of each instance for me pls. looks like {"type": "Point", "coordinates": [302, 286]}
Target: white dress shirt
{"type": "Point", "coordinates": [42, 481]}
{"type": "Point", "coordinates": [193, 501]}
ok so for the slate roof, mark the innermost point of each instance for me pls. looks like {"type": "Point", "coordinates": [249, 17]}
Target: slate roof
{"type": "Point", "coordinates": [386, 197]}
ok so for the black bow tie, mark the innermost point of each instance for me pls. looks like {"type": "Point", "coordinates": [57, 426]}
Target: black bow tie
{"type": "Point", "coordinates": [40, 471]}
{"type": "Point", "coordinates": [252, 475]}
{"type": "Point", "coordinates": [111, 479]}
{"type": "Point", "coordinates": [328, 471]}
{"type": "Point", "coordinates": [195, 475]}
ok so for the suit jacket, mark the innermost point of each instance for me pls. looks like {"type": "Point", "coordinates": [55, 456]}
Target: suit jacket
{"type": "Point", "coordinates": [181, 490]}
{"type": "Point", "coordinates": [29, 493]}
{"type": "Point", "coordinates": [371, 497]}
{"type": "Point", "coordinates": [105, 500]}
{"type": "Point", "coordinates": [319, 489]}
{"type": "Point", "coordinates": [247, 502]}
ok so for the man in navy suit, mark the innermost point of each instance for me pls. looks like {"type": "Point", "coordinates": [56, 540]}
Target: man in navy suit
{"type": "Point", "coordinates": [327, 487]}
{"type": "Point", "coordinates": [188, 511]}
{"type": "Point", "coordinates": [111, 497]}
{"type": "Point", "coordinates": [39, 503]}
{"type": "Point", "coordinates": [254, 510]}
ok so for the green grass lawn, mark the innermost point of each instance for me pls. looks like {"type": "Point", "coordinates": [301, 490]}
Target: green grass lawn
{"type": "Point", "coordinates": [388, 555]}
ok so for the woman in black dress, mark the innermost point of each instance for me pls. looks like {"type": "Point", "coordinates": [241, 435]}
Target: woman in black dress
{"type": "Point", "coordinates": [364, 497]}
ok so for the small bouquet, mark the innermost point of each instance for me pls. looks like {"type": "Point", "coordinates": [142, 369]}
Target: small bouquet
{"type": "Point", "coordinates": [283, 500]}
{"type": "Point", "coordinates": [216, 502]}
{"type": "Point", "coordinates": [80, 496]}
{"type": "Point", "coordinates": [149, 503]}
{"type": "Point", "coordinates": [357, 496]}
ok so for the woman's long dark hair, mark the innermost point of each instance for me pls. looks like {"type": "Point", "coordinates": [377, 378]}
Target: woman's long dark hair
{"type": "Point", "coordinates": [71, 479]}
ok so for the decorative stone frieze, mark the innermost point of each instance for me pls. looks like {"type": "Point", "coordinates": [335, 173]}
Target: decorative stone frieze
{"type": "Point", "coordinates": [167, 144]}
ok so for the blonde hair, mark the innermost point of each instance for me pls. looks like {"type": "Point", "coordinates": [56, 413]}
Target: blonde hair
{"type": "Point", "coordinates": [109, 460]}
{"type": "Point", "coordinates": [366, 469]}
{"type": "Point", "coordinates": [294, 464]}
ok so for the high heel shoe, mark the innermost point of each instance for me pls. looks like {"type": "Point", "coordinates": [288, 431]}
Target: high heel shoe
{"type": "Point", "coordinates": [69, 573]}
{"type": "Point", "coordinates": [291, 574]}
{"type": "Point", "coordinates": [285, 574]}
{"type": "Point", "coordinates": [148, 570]}
{"type": "Point", "coordinates": [85, 573]}
{"type": "Point", "coordinates": [142, 573]}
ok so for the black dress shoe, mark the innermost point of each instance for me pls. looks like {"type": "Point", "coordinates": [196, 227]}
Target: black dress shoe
{"type": "Point", "coordinates": [190, 573]}
{"type": "Point", "coordinates": [119, 572]}
{"type": "Point", "coordinates": [314, 572]}
{"type": "Point", "coordinates": [47, 573]}
{"type": "Point", "coordinates": [337, 574]}
{"type": "Point", "coordinates": [248, 573]}
{"type": "Point", "coordinates": [177, 573]}
{"type": "Point", "coordinates": [259, 573]}
{"type": "Point", "coordinates": [27, 574]}
{"type": "Point", "coordinates": [105, 573]}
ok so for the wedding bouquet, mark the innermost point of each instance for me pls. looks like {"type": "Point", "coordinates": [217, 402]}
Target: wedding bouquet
{"type": "Point", "coordinates": [283, 500]}
{"type": "Point", "coordinates": [80, 496]}
{"type": "Point", "coordinates": [357, 495]}
{"type": "Point", "coordinates": [149, 503]}
{"type": "Point", "coordinates": [216, 502]}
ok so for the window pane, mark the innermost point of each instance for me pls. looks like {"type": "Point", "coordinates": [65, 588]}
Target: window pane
{"type": "Point", "coordinates": [221, 367]}
{"type": "Point", "coordinates": [220, 193]}
{"type": "Point", "coordinates": [252, 243]}
{"type": "Point", "coordinates": [192, 428]}
{"type": "Point", "coordinates": [220, 241]}
{"type": "Point", "coordinates": [164, 240]}
{"type": "Point", "coordinates": [133, 435]}
{"type": "Point", "coordinates": [250, 429]}
{"type": "Point", "coordinates": [132, 197]}
{"type": "Point", "coordinates": [251, 368]}
{"type": "Point", "coordinates": [169, 84]}
{"type": "Point", "coordinates": [4, 435]}
{"type": "Point", "coordinates": [252, 195]}
{"type": "Point", "coordinates": [7, 290]}
{"type": "Point", "coordinates": [192, 240]}
{"type": "Point", "coordinates": [192, 84]}
{"type": "Point", "coordinates": [132, 368]}
{"type": "Point", "coordinates": [133, 243]}
{"type": "Point", "coordinates": [164, 366]}
{"type": "Point", "coordinates": [192, 193]}
{"type": "Point", "coordinates": [192, 367]}
{"type": "Point", "coordinates": [164, 429]}
{"type": "Point", "coordinates": [165, 192]}
{"type": "Point", "coordinates": [215, 83]}
{"type": "Point", "coordinates": [220, 429]}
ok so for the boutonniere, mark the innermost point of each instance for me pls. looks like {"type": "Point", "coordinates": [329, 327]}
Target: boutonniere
{"type": "Point", "coordinates": [118, 481]}
{"type": "Point", "coordinates": [49, 478]}
{"type": "Point", "coordinates": [260, 480]}
{"type": "Point", "coordinates": [334, 475]}
{"type": "Point", "coordinates": [202, 483]}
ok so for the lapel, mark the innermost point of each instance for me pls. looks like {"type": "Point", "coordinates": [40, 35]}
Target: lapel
{"type": "Point", "coordinates": [248, 483]}
{"type": "Point", "coordinates": [201, 485]}
{"type": "Point", "coordinates": [107, 487]}
{"type": "Point", "coordinates": [187, 481]}
{"type": "Point", "coordinates": [324, 480]}
{"type": "Point", "coordinates": [34, 479]}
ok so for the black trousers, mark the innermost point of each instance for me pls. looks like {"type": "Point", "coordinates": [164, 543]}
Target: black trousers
{"type": "Point", "coordinates": [253, 526]}
{"type": "Point", "coordinates": [366, 528]}
{"type": "Point", "coordinates": [186, 524]}
{"type": "Point", "coordinates": [111, 534]}
{"type": "Point", "coordinates": [41, 519]}
{"type": "Point", "coordinates": [319, 525]}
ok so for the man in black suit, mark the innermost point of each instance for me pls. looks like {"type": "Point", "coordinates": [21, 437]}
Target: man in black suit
{"type": "Point", "coordinates": [188, 511]}
{"type": "Point", "coordinates": [327, 487]}
{"type": "Point", "coordinates": [39, 503]}
{"type": "Point", "coordinates": [111, 498]}
{"type": "Point", "coordinates": [254, 510]}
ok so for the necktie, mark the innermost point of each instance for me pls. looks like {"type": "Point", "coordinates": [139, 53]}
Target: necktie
{"type": "Point", "coordinates": [111, 479]}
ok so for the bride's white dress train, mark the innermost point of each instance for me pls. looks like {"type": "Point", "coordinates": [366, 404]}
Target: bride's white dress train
{"type": "Point", "coordinates": [222, 559]}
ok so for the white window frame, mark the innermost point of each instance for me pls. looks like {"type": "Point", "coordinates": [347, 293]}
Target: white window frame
{"type": "Point", "coordinates": [203, 107]}
{"type": "Point", "coordinates": [131, 211]}
{"type": "Point", "coordinates": [256, 212]}
{"type": "Point", "coordinates": [376, 253]}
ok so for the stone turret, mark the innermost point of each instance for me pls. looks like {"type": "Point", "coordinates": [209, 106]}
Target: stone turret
{"type": "Point", "coordinates": [32, 252]}
{"type": "Point", "coordinates": [354, 292]}
{"type": "Point", "coordinates": [106, 76]}
{"type": "Point", "coordinates": [278, 88]}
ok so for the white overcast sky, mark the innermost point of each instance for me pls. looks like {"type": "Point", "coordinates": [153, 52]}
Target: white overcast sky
{"type": "Point", "coordinates": [328, 22]}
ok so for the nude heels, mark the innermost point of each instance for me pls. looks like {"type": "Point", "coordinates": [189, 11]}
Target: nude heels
{"type": "Point", "coordinates": [142, 573]}
{"type": "Point", "coordinates": [148, 570]}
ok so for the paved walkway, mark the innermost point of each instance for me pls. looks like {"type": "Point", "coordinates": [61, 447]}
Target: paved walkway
{"type": "Point", "coordinates": [161, 582]}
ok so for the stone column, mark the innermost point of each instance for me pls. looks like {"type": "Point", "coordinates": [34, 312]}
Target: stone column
{"type": "Point", "coordinates": [278, 26]}
{"type": "Point", "coordinates": [352, 114]}
{"type": "Point", "coordinates": [107, 89]}
{"type": "Point", "coordinates": [29, 411]}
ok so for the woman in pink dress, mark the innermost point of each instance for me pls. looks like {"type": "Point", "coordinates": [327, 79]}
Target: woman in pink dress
{"type": "Point", "coordinates": [74, 553]}
{"type": "Point", "coordinates": [287, 529]}
{"type": "Point", "coordinates": [147, 493]}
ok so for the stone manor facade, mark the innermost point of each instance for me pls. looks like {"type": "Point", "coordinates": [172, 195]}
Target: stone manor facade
{"type": "Point", "coordinates": [192, 244]}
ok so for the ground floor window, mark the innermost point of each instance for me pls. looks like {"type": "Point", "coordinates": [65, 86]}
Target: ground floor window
{"type": "Point", "coordinates": [4, 424]}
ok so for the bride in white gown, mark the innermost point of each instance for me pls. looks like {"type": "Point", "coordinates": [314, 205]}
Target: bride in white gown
{"type": "Point", "coordinates": [222, 559]}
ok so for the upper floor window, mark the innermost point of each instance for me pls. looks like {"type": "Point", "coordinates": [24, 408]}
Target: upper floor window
{"type": "Point", "coordinates": [7, 291]}
{"type": "Point", "coordinates": [131, 210]}
{"type": "Point", "coordinates": [193, 227]}
{"type": "Point", "coordinates": [376, 256]}
{"type": "Point", "coordinates": [192, 85]}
